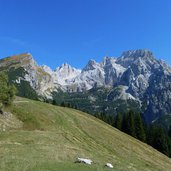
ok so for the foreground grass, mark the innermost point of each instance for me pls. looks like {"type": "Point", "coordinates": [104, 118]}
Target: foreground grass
{"type": "Point", "coordinates": [50, 138]}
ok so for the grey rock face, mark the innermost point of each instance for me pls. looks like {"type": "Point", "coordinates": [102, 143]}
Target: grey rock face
{"type": "Point", "coordinates": [128, 57]}
{"type": "Point", "coordinates": [157, 98]}
{"type": "Point", "coordinates": [92, 64]}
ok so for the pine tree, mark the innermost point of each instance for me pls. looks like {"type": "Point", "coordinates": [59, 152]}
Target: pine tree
{"type": "Point", "coordinates": [158, 139]}
{"type": "Point", "coordinates": [54, 102]}
{"type": "Point", "coordinates": [63, 104]}
{"type": "Point", "coordinates": [169, 131]}
{"type": "Point", "coordinates": [169, 140]}
{"type": "Point", "coordinates": [128, 125]}
{"type": "Point", "coordinates": [103, 117]}
{"type": "Point", "coordinates": [118, 121]}
{"type": "Point", "coordinates": [125, 123]}
{"type": "Point", "coordinates": [76, 106]}
{"type": "Point", "coordinates": [131, 123]}
{"type": "Point", "coordinates": [139, 127]}
{"type": "Point", "coordinates": [110, 119]}
{"type": "Point", "coordinates": [169, 146]}
{"type": "Point", "coordinates": [69, 105]}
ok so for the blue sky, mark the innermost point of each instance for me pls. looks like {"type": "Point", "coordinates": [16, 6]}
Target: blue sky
{"type": "Point", "coordinates": [74, 31]}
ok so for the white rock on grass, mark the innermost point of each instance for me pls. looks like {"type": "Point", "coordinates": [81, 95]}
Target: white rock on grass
{"type": "Point", "coordinates": [109, 165]}
{"type": "Point", "coordinates": [85, 161]}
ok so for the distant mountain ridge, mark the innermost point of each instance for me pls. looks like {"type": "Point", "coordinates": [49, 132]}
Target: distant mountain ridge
{"type": "Point", "coordinates": [134, 77]}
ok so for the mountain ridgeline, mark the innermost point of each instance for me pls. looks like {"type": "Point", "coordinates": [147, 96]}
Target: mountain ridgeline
{"type": "Point", "coordinates": [136, 80]}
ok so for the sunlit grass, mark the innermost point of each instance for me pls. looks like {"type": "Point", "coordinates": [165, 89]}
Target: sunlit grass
{"type": "Point", "coordinates": [51, 138]}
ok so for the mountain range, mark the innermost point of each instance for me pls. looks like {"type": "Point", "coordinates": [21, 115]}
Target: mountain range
{"type": "Point", "coordinates": [37, 136]}
{"type": "Point", "coordinates": [135, 80]}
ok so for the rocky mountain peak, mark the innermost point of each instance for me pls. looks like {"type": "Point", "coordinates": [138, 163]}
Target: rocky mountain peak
{"type": "Point", "coordinates": [24, 59]}
{"type": "Point", "coordinates": [47, 69]}
{"type": "Point", "coordinates": [108, 61]}
{"type": "Point", "coordinates": [65, 72]}
{"type": "Point", "coordinates": [137, 53]}
{"type": "Point", "coordinates": [66, 68]}
{"type": "Point", "coordinates": [129, 57]}
{"type": "Point", "coordinates": [65, 65]}
{"type": "Point", "coordinates": [92, 64]}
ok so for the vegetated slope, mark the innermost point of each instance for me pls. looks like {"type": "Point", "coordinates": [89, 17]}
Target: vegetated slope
{"type": "Point", "coordinates": [50, 138]}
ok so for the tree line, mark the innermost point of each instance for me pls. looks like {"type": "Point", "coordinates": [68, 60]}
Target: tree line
{"type": "Point", "coordinates": [133, 124]}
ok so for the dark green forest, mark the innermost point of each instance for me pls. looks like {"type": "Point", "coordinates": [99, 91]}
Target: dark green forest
{"type": "Point", "coordinates": [133, 124]}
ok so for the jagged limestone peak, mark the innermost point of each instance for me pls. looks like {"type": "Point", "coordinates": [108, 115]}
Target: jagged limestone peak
{"type": "Point", "coordinates": [91, 65]}
{"type": "Point", "coordinates": [137, 53]}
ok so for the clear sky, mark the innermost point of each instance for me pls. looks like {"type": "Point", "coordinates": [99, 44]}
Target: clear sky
{"type": "Point", "coordinates": [74, 31]}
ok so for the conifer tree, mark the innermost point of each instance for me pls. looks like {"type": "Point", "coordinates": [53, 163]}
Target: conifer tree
{"type": "Point", "coordinates": [169, 131]}
{"type": "Point", "coordinates": [54, 102]}
{"type": "Point", "coordinates": [118, 121]}
{"type": "Point", "coordinates": [131, 123]}
{"type": "Point", "coordinates": [139, 127]}
{"type": "Point", "coordinates": [125, 123]}
{"type": "Point", "coordinates": [158, 139]}
{"type": "Point", "coordinates": [63, 104]}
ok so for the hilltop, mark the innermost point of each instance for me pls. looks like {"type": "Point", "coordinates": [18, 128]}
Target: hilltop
{"type": "Point", "coordinates": [38, 137]}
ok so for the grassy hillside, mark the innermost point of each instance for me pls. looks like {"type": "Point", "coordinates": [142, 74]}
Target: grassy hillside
{"type": "Point", "coordinates": [42, 137]}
